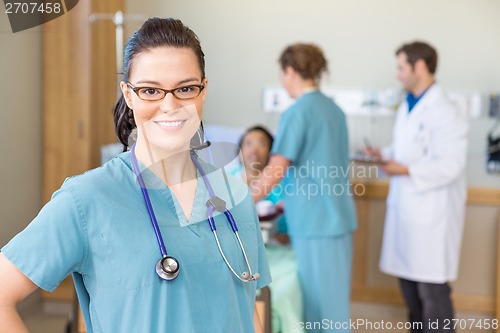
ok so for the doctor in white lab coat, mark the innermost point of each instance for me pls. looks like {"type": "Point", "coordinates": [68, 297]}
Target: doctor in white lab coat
{"type": "Point", "coordinates": [427, 194]}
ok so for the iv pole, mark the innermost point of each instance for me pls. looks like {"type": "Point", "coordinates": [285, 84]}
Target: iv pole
{"type": "Point", "coordinates": [118, 19]}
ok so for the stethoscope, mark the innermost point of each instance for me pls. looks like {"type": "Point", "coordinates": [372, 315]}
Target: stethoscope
{"type": "Point", "coordinates": [168, 267]}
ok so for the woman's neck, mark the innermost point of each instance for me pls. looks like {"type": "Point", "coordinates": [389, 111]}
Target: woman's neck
{"type": "Point", "coordinates": [172, 167]}
{"type": "Point", "coordinates": [303, 86]}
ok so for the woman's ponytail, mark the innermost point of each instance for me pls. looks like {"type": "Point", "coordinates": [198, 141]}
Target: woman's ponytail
{"type": "Point", "coordinates": [124, 122]}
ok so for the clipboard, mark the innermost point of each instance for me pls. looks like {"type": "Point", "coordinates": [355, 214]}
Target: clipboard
{"type": "Point", "coordinates": [367, 159]}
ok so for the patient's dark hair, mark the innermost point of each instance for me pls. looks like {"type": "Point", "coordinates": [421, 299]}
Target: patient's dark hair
{"type": "Point", "coordinates": [261, 129]}
{"type": "Point", "coordinates": [155, 32]}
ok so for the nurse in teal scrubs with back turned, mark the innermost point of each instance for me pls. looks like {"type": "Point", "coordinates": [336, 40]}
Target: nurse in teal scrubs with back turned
{"type": "Point", "coordinates": [310, 153]}
{"type": "Point", "coordinates": [99, 226]}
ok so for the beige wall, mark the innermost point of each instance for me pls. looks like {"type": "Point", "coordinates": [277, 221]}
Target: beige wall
{"type": "Point", "coordinates": [242, 41]}
{"type": "Point", "coordinates": [21, 137]}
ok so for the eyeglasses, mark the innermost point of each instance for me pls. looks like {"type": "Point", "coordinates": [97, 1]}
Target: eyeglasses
{"type": "Point", "coordinates": [156, 94]}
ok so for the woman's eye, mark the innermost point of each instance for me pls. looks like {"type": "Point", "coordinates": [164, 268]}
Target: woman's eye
{"type": "Point", "coordinates": [184, 90]}
{"type": "Point", "coordinates": [151, 91]}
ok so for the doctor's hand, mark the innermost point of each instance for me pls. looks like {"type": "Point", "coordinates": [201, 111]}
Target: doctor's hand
{"type": "Point", "coordinates": [374, 152]}
{"type": "Point", "coordinates": [393, 168]}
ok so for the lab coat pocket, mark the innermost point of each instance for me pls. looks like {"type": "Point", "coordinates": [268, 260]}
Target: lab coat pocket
{"type": "Point", "coordinates": [414, 208]}
{"type": "Point", "coordinates": [422, 141]}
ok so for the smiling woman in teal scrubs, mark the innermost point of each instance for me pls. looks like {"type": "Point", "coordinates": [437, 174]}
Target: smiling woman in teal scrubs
{"type": "Point", "coordinates": [97, 227]}
{"type": "Point", "coordinates": [311, 152]}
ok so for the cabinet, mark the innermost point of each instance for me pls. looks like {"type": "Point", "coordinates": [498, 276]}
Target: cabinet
{"type": "Point", "coordinates": [79, 82]}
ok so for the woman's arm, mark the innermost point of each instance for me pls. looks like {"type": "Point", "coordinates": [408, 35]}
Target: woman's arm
{"type": "Point", "coordinates": [272, 175]}
{"type": "Point", "coordinates": [257, 322]}
{"type": "Point", "coordinates": [14, 287]}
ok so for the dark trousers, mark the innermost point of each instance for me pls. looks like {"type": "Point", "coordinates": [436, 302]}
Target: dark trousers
{"type": "Point", "coordinates": [428, 304]}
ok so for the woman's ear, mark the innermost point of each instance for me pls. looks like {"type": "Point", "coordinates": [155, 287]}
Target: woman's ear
{"type": "Point", "coordinates": [126, 94]}
{"type": "Point", "coordinates": [205, 83]}
{"type": "Point", "coordinates": [204, 92]}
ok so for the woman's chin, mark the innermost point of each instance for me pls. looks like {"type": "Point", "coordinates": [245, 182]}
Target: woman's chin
{"type": "Point", "coordinates": [164, 149]}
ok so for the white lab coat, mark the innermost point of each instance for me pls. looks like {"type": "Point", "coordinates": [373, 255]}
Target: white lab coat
{"type": "Point", "coordinates": [425, 211]}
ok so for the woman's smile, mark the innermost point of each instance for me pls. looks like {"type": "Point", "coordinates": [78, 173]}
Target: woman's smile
{"type": "Point", "coordinates": [170, 125]}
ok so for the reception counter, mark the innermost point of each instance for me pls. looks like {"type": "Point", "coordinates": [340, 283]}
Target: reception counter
{"type": "Point", "coordinates": [475, 288]}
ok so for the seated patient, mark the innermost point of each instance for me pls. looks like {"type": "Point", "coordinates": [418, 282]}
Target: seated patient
{"type": "Point", "coordinates": [255, 146]}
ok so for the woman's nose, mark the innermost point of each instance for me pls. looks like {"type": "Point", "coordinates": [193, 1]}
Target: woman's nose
{"type": "Point", "coordinates": [169, 104]}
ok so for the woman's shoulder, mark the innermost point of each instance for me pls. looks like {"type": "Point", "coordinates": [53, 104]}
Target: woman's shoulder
{"type": "Point", "coordinates": [308, 101]}
{"type": "Point", "coordinates": [107, 176]}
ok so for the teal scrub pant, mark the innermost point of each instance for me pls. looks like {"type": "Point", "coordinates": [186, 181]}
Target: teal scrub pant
{"type": "Point", "coordinates": [324, 268]}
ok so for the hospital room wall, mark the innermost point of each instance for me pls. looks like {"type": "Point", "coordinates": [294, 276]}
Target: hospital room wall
{"type": "Point", "coordinates": [242, 42]}
{"type": "Point", "coordinates": [21, 129]}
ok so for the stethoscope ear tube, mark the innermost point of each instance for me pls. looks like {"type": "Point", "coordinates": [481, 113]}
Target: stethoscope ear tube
{"type": "Point", "coordinates": [245, 276]}
{"type": "Point", "coordinates": [216, 203]}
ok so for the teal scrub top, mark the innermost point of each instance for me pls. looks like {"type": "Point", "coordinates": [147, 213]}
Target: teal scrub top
{"type": "Point", "coordinates": [98, 228]}
{"type": "Point", "coordinates": [316, 189]}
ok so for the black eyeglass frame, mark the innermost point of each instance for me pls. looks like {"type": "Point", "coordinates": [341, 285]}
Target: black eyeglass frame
{"type": "Point", "coordinates": [201, 86]}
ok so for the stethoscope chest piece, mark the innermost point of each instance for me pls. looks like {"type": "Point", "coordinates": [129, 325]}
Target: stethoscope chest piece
{"type": "Point", "coordinates": [167, 268]}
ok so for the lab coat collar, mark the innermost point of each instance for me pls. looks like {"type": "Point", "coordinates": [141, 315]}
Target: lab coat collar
{"type": "Point", "coordinates": [434, 91]}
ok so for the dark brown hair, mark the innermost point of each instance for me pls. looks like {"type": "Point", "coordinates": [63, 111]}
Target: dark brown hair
{"type": "Point", "coordinates": [155, 32]}
{"type": "Point", "coordinates": [306, 59]}
{"type": "Point", "coordinates": [420, 50]}
{"type": "Point", "coordinates": [261, 129]}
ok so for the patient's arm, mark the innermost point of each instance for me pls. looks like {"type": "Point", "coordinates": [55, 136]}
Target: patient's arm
{"type": "Point", "coordinates": [14, 287]}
